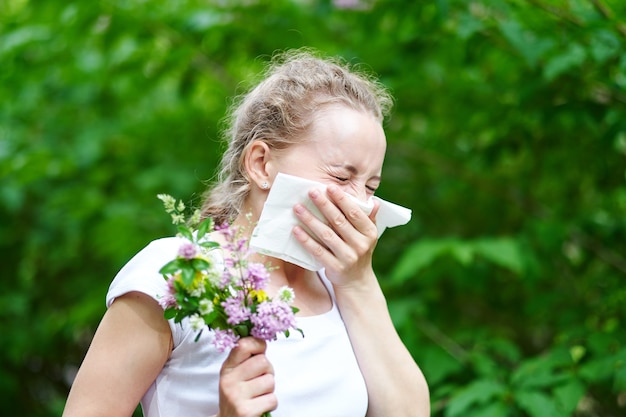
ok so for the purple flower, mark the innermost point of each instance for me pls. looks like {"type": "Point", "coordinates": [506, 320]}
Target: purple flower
{"type": "Point", "coordinates": [235, 310]}
{"type": "Point", "coordinates": [271, 318]}
{"type": "Point", "coordinates": [257, 275]}
{"type": "Point", "coordinates": [226, 279]}
{"type": "Point", "coordinates": [229, 262]}
{"type": "Point", "coordinates": [187, 250]}
{"type": "Point", "coordinates": [168, 300]}
{"type": "Point", "coordinates": [225, 230]}
{"type": "Point", "coordinates": [225, 339]}
{"type": "Point", "coordinates": [241, 247]}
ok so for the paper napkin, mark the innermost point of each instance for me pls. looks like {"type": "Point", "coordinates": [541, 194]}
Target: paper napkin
{"type": "Point", "coordinates": [273, 233]}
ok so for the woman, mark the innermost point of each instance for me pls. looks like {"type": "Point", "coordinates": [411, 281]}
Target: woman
{"type": "Point", "coordinates": [311, 118]}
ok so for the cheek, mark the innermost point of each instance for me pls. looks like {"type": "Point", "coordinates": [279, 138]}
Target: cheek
{"type": "Point", "coordinates": [301, 170]}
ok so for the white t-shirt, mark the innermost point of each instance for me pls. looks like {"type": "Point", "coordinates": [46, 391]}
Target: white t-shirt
{"type": "Point", "coordinates": [316, 375]}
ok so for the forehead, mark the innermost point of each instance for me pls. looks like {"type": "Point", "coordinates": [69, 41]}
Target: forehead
{"type": "Point", "coordinates": [339, 138]}
{"type": "Point", "coordinates": [340, 132]}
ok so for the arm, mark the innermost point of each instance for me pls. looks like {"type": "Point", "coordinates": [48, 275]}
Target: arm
{"type": "Point", "coordinates": [129, 349]}
{"type": "Point", "coordinates": [395, 384]}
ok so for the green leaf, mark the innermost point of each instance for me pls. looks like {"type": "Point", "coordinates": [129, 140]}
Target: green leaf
{"type": "Point", "coordinates": [467, 25]}
{"type": "Point", "coordinates": [462, 252]}
{"type": "Point", "coordinates": [496, 409]}
{"type": "Point", "coordinates": [185, 232]}
{"type": "Point", "coordinates": [537, 404]}
{"type": "Point", "coordinates": [200, 264]}
{"type": "Point", "coordinates": [546, 370]}
{"type": "Point", "coordinates": [598, 369]}
{"type": "Point", "coordinates": [604, 45]}
{"type": "Point", "coordinates": [568, 396]}
{"type": "Point", "coordinates": [171, 267]}
{"type": "Point", "coordinates": [477, 392]}
{"type": "Point", "coordinates": [619, 378]}
{"type": "Point", "coordinates": [242, 330]}
{"type": "Point", "coordinates": [529, 44]}
{"type": "Point", "coordinates": [572, 57]}
{"type": "Point", "coordinates": [204, 227]}
{"type": "Point", "coordinates": [417, 257]}
{"type": "Point", "coordinates": [24, 35]}
{"type": "Point", "coordinates": [209, 318]}
{"type": "Point", "coordinates": [198, 335]}
{"type": "Point", "coordinates": [577, 352]}
{"type": "Point", "coordinates": [209, 244]}
{"type": "Point", "coordinates": [438, 364]}
{"type": "Point", "coordinates": [502, 251]}
{"type": "Point", "coordinates": [188, 275]}
{"type": "Point", "coordinates": [170, 313]}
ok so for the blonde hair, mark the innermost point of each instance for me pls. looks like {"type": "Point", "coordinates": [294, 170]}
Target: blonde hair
{"type": "Point", "coordinates": [279, 111]}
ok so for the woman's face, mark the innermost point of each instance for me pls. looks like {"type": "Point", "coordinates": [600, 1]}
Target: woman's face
{"type": "Point", "coordinates": [344, 147]}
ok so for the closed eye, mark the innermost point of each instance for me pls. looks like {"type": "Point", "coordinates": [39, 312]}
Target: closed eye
{"type": "Point", "coordinates": [341, 179]}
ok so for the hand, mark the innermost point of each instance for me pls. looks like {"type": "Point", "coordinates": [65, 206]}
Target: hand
{"type": "Point", "coordinates": [347, 241]}
{"type": "Point", "coordinates": [246, 387]}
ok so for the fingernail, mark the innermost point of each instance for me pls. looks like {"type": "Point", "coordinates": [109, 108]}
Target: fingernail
{"type": "Point", "coordinates": [299, 208]}
{"type": "Point", "coordinates": [314, 193]}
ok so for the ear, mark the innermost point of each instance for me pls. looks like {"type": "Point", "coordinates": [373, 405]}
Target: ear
{"type": "Point", "coordinates": [257, 164]}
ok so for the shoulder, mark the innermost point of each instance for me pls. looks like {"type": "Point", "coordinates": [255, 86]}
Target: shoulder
{"type": "Point", "coordinates": [141, 272]}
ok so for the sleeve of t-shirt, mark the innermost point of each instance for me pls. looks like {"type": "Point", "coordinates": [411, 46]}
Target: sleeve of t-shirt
{"type": "Point", "coordinates": [141, 273]}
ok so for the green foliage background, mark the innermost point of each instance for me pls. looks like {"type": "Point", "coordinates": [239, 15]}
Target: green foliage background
{"type": "Point", "coordinates": [508, 141]}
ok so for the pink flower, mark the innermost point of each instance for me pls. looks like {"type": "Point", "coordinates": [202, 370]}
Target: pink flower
{"type": "Point", "coordinates": [225, 339]}
{"type": "Point", "coordinates": [168, 300]}
{"type": "Point", "coordinates": [235, 310]}
{"type": "Point", "coordinates": [187, 250]}
{"type": "Point", "coordinates": [257, 275]}
{"type": "Point", "coordinates": [271, 318]}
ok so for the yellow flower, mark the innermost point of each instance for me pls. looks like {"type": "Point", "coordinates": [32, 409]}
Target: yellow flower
{"type": "Point", "coordinates": [196, 284]}
{"type": "Point", "coordinates": [258, 295]}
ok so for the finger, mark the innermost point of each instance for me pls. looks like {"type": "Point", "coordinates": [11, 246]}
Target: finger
{"type": "Point", "coordinates": [374, 211]}
{"type": "Point", "coordinates": [323, 243]}
{"type": "Point", "coordinates": [246, 348]}
{"type": "Point", "coordinates": [255, 366]}
{"type": "Point", "coordinates": [351, 212]}
{"type": "Point", "coordinates": [261, 385]}
{"type": "Point", "coordinates": [237, 401]}
{"type": "Point", "coordinates": [318, 236]}
{"type": "Point", "coordinates": [347, 223]}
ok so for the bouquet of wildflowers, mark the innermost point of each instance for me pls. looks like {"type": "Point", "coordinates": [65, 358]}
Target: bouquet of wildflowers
{"type": "Point", "coordinates": [229, 299]}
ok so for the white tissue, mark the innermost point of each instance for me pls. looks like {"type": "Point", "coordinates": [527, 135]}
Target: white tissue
{"type": "Point", "coordinates": [273, 235]}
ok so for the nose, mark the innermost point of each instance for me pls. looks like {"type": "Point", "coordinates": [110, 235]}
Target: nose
{"type": "Point", "coordinates": [358, 192]}
{"type": "Point", "coordinates": [364, 202]}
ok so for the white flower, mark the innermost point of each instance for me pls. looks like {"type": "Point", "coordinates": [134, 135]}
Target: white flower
{"type": "Point", "coordinates": [195, 217]}
{"type": "Point", "coordinates": [196, 321]}
{"type": "Point", "coordinates": [286, 294]}
{"type": "Point", "coordinates": [214, 277]}
{"type": "Point", "coordinates": [197, 293]}
{"type": "Point", "coordinates": [178, 218]}
{"type": "Point", "coordinates": [169, 202]}
{"type": "Point", "coordinates": [206, 307]}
